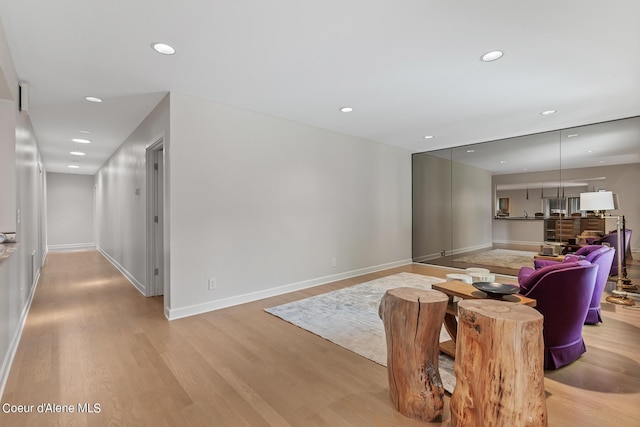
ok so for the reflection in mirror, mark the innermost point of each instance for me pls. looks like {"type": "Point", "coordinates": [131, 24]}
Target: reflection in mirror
{"type": "Point", "coordinates": [541, 175]}
{"type": "Point", "coordinates": [542, 197]}
{"type": "Point", "coordinates": [432, 204]}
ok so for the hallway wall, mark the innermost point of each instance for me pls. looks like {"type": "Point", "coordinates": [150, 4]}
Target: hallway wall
{"type": "Point", "coordinates": [121, 198]}
{"type": "Point", "coordinates": [25, 194]}
{"type": "Point", "coordinates": [69, 211]}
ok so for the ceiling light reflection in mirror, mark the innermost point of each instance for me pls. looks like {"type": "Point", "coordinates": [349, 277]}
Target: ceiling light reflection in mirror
{"type": "Point", "coordinates": [612, 143]}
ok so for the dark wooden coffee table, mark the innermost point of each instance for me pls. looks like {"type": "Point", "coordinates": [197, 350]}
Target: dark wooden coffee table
{"type": "Point", "coordinates": [465, 291]}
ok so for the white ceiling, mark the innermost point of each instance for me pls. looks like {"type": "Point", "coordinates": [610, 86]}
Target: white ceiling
{"type": "Point", "coordinates": [409, 67]}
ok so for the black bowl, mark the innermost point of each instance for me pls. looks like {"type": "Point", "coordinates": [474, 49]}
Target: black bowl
{"type": "Point", "coordinates": [496, 290]}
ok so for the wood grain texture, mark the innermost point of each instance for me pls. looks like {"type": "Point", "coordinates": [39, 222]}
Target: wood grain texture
{"type": "Point", "coordinates": [83, 341]}
{"type": "Point", "coordinates": [412, 322]}
{"type": "Point", "coordinates": [499, 366]}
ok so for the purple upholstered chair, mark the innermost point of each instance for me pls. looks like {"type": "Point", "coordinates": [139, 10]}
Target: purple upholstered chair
{"type": "Point", "coordinates": [612, 240]}
{"type": "Point", "coordinates": [595, 254]}
{"type": "Point", "coordinates": [563, 292]}
{"type": "Point", "coordinates": [603, 257]}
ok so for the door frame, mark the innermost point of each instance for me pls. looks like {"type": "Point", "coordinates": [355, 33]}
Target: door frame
{"type": "Point", "coordinates": [153, 287]}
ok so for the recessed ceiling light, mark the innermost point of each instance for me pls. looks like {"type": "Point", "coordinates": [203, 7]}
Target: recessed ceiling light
{"type": "Point", "coordinates": [589, 151]}
{"type": "Point", "coordinates": [492, 56]}
{"type": "Point", "coordinates": [77, 153]}
{"type": "Point", "coordinates": [73, 167]}
{"type": "Point", "coordinates": [93, 99]}
{"type": "Point", "coordinates": [602, 161]}
{"type": "Point", "coordinates": [428, 137]}
{"type": "Point", "coordinates": [471, 151]}
{"type": "Point", "coordinates": [163, 48]}
{"type": "Point", "coordinates": [84, 131]}
{"type": "Point", "coordinates": [572, 135]}
{"type": "Point", "coordinates": [81, 140]}
{"type": "Point", "coordinates": [502, 162]}
{"type": "Point", "coordinates": [525, 169]}
{"type": "Point", "coordinates": [346, 109]}
{"type": "Point", "coordinates": [547, 112]}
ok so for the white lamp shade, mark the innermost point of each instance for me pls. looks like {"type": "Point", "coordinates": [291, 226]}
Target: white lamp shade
{"type": "Point", "coordinates": [596, 201]}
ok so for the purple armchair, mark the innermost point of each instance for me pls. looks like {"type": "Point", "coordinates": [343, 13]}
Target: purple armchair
{"type": "Point", "coordinates": [611, 239]}
{"type": "Point", "coordinates": [603, 257]}
{"type": "Point", "coordinates": [563, 292]}
{"type": "Point", "coordinates": [595, 254]}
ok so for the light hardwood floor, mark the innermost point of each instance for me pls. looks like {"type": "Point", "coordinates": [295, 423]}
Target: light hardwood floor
{"type": "Point", "coordinates": [92, 338]}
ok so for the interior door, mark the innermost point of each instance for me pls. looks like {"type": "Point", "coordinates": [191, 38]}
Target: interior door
{"type": "Point", "coordinates": [158, 222]}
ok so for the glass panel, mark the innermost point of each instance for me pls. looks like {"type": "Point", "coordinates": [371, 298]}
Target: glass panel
{"type": "Point", "coordinates": [431, 205]}
{"type": "Point", "coordinates": [538, 174]}
{"type": "Point", "coordinates": [472, 200]}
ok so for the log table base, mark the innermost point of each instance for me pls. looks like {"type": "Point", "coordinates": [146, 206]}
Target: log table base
{"type": "Point", "coordinates": [498, 366]}
{"type": "Point", "coordinates": [412, 321]}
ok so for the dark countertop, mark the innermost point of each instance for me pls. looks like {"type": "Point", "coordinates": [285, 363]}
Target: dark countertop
{"type": "Point", "coordinates": [521, 218]}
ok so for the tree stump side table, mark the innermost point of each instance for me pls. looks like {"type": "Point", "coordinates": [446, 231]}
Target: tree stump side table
{"type": "Point", "coordinates": [412, 321]}
{"type": "Point", "coordinates": [498, 366]}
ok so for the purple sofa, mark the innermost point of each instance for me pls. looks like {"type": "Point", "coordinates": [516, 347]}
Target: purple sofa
{"type": "Point", "coordinates": [563, 292]}
{"type": "Point", "coordinates": [596, 254]}
{"type": "Point", "coordinates": [611, 239]}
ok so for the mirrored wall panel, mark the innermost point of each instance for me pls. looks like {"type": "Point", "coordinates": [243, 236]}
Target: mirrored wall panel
{"type": "Point", "coordinates": [499, 193]}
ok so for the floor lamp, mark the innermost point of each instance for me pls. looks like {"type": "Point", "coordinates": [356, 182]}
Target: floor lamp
{"type": "Point", "coordinates": [600, 201]}
{"type": "Point", "coordinates": [628, 286]}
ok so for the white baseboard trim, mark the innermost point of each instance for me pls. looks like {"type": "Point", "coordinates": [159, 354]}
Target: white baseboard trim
{"type": "Point", "coordinates": [72, 247]}
{"type": "Point", "coordinates": [460, 270]}
{"type": "Point", "coordinates": [443, 267]}
{"type": "Point", "coordinates": [192, 310]}
{"type": "Point", "coordinates": [136, 284]}
{"type": "Point", "coordinates": [429, 257]}
{"type": "Point", "coordinates": [13, 347]}
{"type": "Point", "coordinates": [517, 242]}
{"type": "Point", "coordinates": [457, 251]}
{"type": "Point", "coordinates": [470, 249]}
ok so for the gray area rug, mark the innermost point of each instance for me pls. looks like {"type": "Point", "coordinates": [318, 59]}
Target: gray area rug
{"type": "Point", "coordinates": [501, 258]}
{"type": "Point", "coordinates": [349, 317]}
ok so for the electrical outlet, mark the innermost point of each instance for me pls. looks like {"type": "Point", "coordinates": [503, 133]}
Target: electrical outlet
{"type": "Point", "coordinates": [334, 263]}
{"type": "Point", "coordinates": [213, 284]}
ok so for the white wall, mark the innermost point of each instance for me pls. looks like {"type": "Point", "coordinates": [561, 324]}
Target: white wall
{"type": "Point", "coordinates": [121, 199]}
{"type": "Point", "coordinates": [69, 211]}
{"type": "Point", "coordinates": [26, 185]}
{"type": "Point", "coordinates": [264, 205]}
{"type": "Point", "coordinates": [8, 114]}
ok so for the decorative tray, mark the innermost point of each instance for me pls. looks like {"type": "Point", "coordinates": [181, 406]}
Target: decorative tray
{"type": "Point", "coordinates": [496, 290]}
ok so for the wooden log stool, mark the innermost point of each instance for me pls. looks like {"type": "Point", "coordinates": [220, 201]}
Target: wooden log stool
{"type": "Point", "coordinates": [412, 321]}
{"type": "Point", "coordinates": [498, 366]}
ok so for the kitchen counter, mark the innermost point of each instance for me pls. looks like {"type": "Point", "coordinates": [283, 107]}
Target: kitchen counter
{"type": "Point", "coordinates": [524, 218]}
{"type": "Point", "coordinates": [517, 230]}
